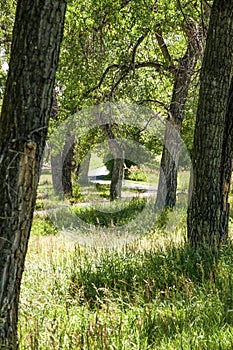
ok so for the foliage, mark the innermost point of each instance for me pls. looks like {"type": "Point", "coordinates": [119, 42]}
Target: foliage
{"type": "Point", "coordinates": [42, 226]}
{"type": "Point", "coordinates": [7, 11]}
{"type": "Point", "coordinates": [109, 163]}
{"type": "Point", "coordinates": [136, 174]}
{"type": "Point", "coordinates": [103, 47]}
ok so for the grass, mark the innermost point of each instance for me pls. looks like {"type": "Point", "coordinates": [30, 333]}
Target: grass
{"type": "Point", "coordinates": [112, 215]}
{"type": "Point", "coordinates": [143, 292]}
{"type": "Point", "coordinates": [153, 293]}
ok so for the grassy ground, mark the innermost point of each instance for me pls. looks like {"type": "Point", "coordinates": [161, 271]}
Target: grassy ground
{"type": "Point", "coordinates": [116, 292]}
{"type": "Point", "coordinates": [152, 293]}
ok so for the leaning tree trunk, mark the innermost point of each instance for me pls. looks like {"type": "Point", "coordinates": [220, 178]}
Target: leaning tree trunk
{"type": "Point", "coordinates": [23, 127]}
{"type": "Point", "coordinates": [166, 196]}
{"type": "Point", "coordinates": [205, 214]}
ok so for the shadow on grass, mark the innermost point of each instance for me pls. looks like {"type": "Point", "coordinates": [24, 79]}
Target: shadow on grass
{"type": "Point", "coordinates": [111, 215]}
{"type": "Point", "coordinates": [175, 273]}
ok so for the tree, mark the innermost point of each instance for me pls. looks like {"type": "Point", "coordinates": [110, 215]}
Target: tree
{"type": "Point", "coordinates": [23, 126]}
{"type": "Point", "coordinates": [153, 62]}
{"type": "Point", "coordinates": [183, 74]}
{"type": "Point", "coordinates": [118, 162]}
{"type": "Point", "coordinates": [212, 155]}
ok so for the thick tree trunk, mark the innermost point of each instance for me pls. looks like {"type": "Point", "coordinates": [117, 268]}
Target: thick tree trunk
{"type": "Point", "coordinates": [166, 196]}
{"type": "Point", "coordinates": [23, 126]}
{"type": "Point", "coordinates": [227, 156]}
{"type": "Point", "coordinates": [207, 214]}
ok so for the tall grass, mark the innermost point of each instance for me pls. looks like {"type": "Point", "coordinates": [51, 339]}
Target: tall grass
{"type": "Point", "coordinates": [154, 293]}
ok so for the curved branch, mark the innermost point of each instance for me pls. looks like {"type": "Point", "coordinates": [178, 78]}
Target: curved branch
{"type": "Point", "coordinates": [125, 70]}
{"type": "Point", "coordinates": [154, 101]}
{"type": "Point", "coordinates": [151, 64]}
{"type": "Point", "coordinates": [117, 66]}
{"type": "Point", "coordinates": [139, 41]}
{"type": "Point", "coordinates": [157, 102]}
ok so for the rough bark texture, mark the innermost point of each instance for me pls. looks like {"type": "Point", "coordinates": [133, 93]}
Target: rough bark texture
{"type": "Point", "coordinates": [23, 126]}
{"type": "Point", "coordinates": [208, 208]}
{"type": "Point", "coordinates": [227, 156]}
{"type": "Point", "coordinates": [166, 196]}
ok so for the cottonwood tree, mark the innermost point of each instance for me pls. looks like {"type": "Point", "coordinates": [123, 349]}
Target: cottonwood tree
{"type": "Point", "coordinates": [182, 74]}
{"type": "Point", "coordinates": [23, 126]}
{"type": "Point", "coordinates": [212, 155]}
{"type": "Point", "coordinates": [153, 62]}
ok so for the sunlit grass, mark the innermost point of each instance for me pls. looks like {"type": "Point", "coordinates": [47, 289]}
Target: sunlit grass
{"type": "Point", "coordinates": [153, 293]}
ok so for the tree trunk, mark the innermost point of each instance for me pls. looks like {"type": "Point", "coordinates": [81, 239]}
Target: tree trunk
{"type": "Point", "coordinates": [117, 178]}
{"type": "Point", "coordinates": [166, 196]}
{"type": "Point", "coordinates": [56, 157]}
{"type": "Point", "coordinates": [208, 212]}
{"type": "Point", "coordinates": [119, 159]}
{"type": "Point", "coordinates": [67, 165]}
{"type": "Point", "coordinates": [227, 156]}
{"type": "Point", "coordinates": [82, 170]}
{"type": "Point", "coordinates": [57, 170]}
{"type": "Point", "coordinates": [23, 127]}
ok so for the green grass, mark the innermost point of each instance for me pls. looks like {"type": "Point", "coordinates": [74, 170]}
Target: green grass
{"type": "Point", "coordinates": [154, 293]}
{"type": "Point", "coordinates": [113, 215]}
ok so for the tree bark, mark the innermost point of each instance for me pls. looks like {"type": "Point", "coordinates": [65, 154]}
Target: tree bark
{"type": "Point", "coordinates": [23, 126]}
{"type": "Point", "coordinates": [227, 156]}
{"type": "Point", "coordinates": [166, 196]}
{"type": "Point", "coordinates": [207, 214]}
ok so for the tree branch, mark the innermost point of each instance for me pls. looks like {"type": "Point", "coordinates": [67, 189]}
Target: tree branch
{"type": "Point", "coordinates": [117, 66]}
{"type": "Point", "coordinates": [157, 102]}
{"type": "Point", "coordinates": [154, 101]}
{"type": "Point", "coordinates": [139, 41]}
{"type": "Point", "coordinates": [164, 50]}
{"type": "Point", "coordinates": [163, 45]}
{"type": "Point", "coordinates": [125, 70]}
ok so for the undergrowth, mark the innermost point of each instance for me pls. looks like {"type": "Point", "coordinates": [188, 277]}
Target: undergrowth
{"type": "Point", "coordinates": [155, 293]}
